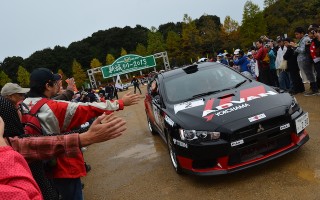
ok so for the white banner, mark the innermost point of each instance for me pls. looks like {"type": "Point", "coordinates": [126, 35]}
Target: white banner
{"type": "Point", "coordinates": [118, 83]}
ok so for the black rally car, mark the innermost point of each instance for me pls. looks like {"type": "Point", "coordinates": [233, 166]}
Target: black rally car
{"type": "Point", "coordinates": [216, 121]}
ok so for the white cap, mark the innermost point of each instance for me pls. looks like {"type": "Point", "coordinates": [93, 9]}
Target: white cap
{"type": "Point", "coordinates": [13, 88]}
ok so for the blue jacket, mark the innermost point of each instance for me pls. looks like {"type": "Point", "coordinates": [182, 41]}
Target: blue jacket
{"type": "Point", "coordinates": [272, 58]}
{"type": "Point", "coordinates": [243, 62]}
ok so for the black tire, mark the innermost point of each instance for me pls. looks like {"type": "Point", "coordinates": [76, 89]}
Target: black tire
{"type": "Point", "coordinates": [173, 155]}
{"type": "Point", "coordinates": [151, 129]}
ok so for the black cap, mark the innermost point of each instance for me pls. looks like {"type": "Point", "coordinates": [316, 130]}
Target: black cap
{"type": "Point", "coordinates": [41, 76]}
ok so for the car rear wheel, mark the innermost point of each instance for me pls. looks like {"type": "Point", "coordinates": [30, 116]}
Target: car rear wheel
{"type": "Point", "coordinates": [173, 155]}
{"type": "Point", "coordinates": [153, 132]}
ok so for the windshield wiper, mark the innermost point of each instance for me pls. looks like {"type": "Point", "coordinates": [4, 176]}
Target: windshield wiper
{"type": "Point", "coordinates": [239, 84]}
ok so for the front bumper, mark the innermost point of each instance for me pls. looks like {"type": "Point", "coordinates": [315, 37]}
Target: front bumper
{"type": "Point", "coordinates": [225, 164]}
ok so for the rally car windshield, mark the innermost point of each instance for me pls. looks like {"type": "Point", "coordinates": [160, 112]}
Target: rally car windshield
{"type": "Point", "coordinates": [203, 82]}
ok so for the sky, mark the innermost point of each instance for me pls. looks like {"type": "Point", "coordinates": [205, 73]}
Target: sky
{"type": "Point", "coordinates": [33, 25]}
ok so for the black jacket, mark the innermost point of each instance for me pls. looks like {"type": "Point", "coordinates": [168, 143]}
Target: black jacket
{"type": "Point", "coordinates": [291, 58]}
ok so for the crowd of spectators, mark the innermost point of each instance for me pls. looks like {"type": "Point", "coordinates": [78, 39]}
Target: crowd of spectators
{"type": "Point", "coordinates": [285, 62]}
{"type": "Point", "coordinates": [54, 155]}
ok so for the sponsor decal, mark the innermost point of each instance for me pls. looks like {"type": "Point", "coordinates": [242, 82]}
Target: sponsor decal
{"type": "Point", "coordinates": [179, 143]}
{"type": "Point", "coordinates": [236, 143]}
{"type": "Point", "coordinates": [169, 120]}
{"type": "Point", "coordinates": [285, 126]}
{"type": "Point", "coordinates": [256, 118]}
{"type": "Point", "coordinates": [187, 105]}
{"type": "Point", "coordinates": [228, 105]}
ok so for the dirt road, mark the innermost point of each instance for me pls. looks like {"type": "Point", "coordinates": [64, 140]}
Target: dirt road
{"type": "Point", "coordinates": [137, 166]}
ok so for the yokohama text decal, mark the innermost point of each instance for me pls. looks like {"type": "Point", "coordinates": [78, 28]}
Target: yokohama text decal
{"type": "Point", "coordinates": [226, 105]}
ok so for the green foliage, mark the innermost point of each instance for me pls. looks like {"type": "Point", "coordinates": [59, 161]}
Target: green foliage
{"type": "Point", "coordinates": [268, 3]}
{"type": "Point", "coordinates": [10, 66]}
{"type": "Point", "coordinates": [230, 34]}
{"type": "Point", "coordinates": [209, 30]}
{"type": "Point", "coordinates": [191, 40]}
{"type": "Point", "coordinates": [253, 24]}
{"type": "Point", "coordinates": [164, 29]}
{"type": "Point", "coordinates": [155, 42]}
{"type": "Point", "coordinates": [182, 40]}
{"type": "Point", "coordinates": [23, 77]}
{"type": "Point", "coordinates": [4, 78]}
{"type": "Point", "coordinates": [141, 50]}
{"type": "Point", "coordinates": [285, 15]}
{"type": "Point", "coordinates": [173, 48]}
{"type": "Point", "coordinates": [79, 74]}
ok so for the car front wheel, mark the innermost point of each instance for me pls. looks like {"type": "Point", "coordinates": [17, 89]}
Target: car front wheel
{"type": "Point", "coordinates": [173, 155]}
{"type": "Point", "coordinates": [150, 126]}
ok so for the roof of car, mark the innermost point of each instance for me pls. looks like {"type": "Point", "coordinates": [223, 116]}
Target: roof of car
{"type": "Point", "coordinates": [183, 69]}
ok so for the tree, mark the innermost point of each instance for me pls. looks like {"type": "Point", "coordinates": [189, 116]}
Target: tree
{"type": "Point", "coordinates": [230, 34]}
{"type": "Point", "coordinates": [253, 24]}
{"type": "Point", "coordinates": [10, 66]}
{"type": "Point", "coordinates": [165, 28]}
{"type": "Point", "coordinates": [23, 77]}
{"type": "Point", "coordinates": [155, 41]}
{"type": "Point", "coordinates": [4, 78]}
{"type": "Point", "coordinates": [191, 40]}
{"type": "Point", "coordinates": [141, 50]}
{"type": "Point", "coordinates": [209, 28]}
{"type": "Point", "coordinates": [109, 59]}
{"type": "Point", "coordinates": [173, 48]}
{"type": "Point", "coordinates": [78, 74]}
{"type": "Point", "coordinates": [268, 3]}
{"type": "Point", "coordinates": [123, 52]}
{"type": "Point", "coordinates": [95, 63]}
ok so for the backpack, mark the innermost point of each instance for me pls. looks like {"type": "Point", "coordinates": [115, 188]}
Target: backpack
{"type": "Point", "coordinates": [30, 120]}
{"type": "Point", "coordinates": [266, 59]}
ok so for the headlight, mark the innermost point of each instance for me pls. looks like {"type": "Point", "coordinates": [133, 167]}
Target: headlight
{"type": "Point", "coordinates": [198, 135]}
{"type": "Point", "coordinates": [294, 106]}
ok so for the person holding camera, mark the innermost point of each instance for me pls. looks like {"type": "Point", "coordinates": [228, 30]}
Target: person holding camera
{"type": "Point", "coordinates": [304, 59]}
{"type": "Point", "coordinates": [314, 34]}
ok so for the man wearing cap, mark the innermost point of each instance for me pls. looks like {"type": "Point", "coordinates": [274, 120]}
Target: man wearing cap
{"type": "Point", "coordinates": [36, 148]}
{"type": "Point", "coordinates": [221, 59]}
{"type": "Point", "coordinates": [11, 95]}
{"type": "Point", "coordinates": [60, 116]}
{"type": "Point", "coordinates": [304, 59]}
{"type": "Point", "coordinates": [243, 62]}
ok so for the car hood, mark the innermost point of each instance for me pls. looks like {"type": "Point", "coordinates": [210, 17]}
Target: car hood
{"type": "Point", "coordinates": [250, 102]}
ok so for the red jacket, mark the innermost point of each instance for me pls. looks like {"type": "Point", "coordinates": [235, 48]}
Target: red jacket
{"type": "Point", "coordinates": [315, 52]}
{"type": "Point", "coordinates": [62, 116]}
{"type": "Point", "coordinates": [16, 181]}
{"type": "Point", "coordinates": [259, 56]}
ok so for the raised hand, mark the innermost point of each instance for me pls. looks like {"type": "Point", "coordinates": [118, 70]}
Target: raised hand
{"type": "Point", "coordinates": [130, 99]}
{"type": "Point", "coordinates": [105, 127]}
{"type": "Point", "coordinates": [71, 84]}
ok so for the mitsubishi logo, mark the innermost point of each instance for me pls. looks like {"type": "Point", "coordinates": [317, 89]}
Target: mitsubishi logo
{"type": "Point", "coordinates": [260, 128]}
